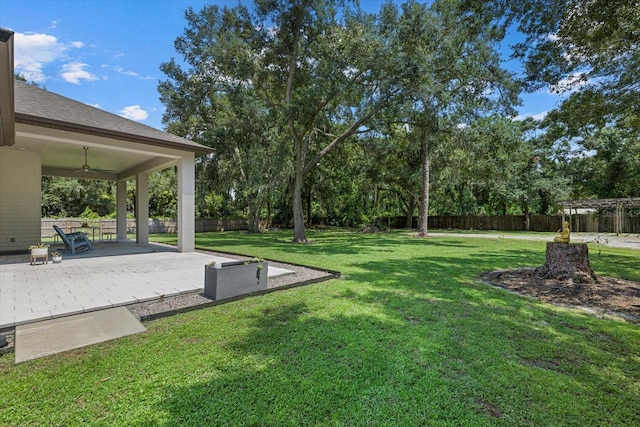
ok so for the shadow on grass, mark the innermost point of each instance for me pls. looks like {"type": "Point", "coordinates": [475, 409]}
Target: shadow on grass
{"type": "Point", "coordinates": [295, 368]}
{"type": "Point", "coordinates": [609, 263]}
{"type": "Point", "coordinates": [419, 342]}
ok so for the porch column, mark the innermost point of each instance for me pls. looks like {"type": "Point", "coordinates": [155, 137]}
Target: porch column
{"type": "Point", "coordinates": [121, 210]}
{"type": "Point", "coordinates": [142, 208]}
{"type": "Point", "coordinates": [186, 203]}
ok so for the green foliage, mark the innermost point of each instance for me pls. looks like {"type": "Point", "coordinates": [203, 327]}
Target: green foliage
{"type": "Point", "coordinates": [230, 112]}
{"type": "Point", "coordinates": [71, 197]}
{"type": "Point", "coordinates": [587, 49]}
{"type": "Point", "coordinates": [280, 88]}
{"type": "Point", "coordinates": [610, 168]}
{"type": "Point", "coordinates": [407, 337]}
{"type": "Point", "coordinates": [214, 204]}
{"type": "Point", "coordinates": [585, 45]}
{"type": "Point", "coordinates": [163, 194]}
{"type": "Point", "coordinates": [89, 214]}
{"type": "Point", "coordinates": [39, 246]}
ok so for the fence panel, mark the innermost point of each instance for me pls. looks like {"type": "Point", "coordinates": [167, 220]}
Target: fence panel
{"type": "Point", "coordinates": [592, 223]}
{"type": "Point", "coordinates": [542, 223]}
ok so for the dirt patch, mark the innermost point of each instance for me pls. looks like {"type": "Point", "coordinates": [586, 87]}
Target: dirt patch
{"type": "Point", "coordinates": [608, 296]}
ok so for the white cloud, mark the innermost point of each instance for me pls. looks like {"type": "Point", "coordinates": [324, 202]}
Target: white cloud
{"type": "Point", "coordinates": [33, 52]}
{"type": "Point", "coordinates": [94, 105]}
{"type": "Point", "coordinates": [121, 70]}
{"type": "Point", "coordinates": [134, 112]}
{"type": "Point", "coordinates": [536, 117]}
{"type": "Point", "coordinates": [118, 69]}
{"type": "Point", "coordinates": [75, 71]}
{"type": "Point", "coordinates": [53, 24]}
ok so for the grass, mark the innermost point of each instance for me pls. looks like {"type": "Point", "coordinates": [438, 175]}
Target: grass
{"type": "Point", "coordinates": [407, 337]}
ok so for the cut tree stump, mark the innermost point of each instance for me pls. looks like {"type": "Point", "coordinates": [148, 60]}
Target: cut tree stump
{"type": "Point", "coordinates": [567, 261]}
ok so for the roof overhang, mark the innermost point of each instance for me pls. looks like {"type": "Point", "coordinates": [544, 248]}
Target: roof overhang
{"type": "Point", "coordinates": [197, 149]}
{"type": "Point", "coordinates": [55, 114]}
{"type": "Point", "coordinates": [7, 101]}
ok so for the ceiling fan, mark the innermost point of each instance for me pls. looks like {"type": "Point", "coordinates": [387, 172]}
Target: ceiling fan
{"type": "Point", "coordinates": [88, 169]}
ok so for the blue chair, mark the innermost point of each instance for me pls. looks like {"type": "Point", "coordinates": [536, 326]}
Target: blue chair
{"type": "Point", "coordinates": [74, 241]}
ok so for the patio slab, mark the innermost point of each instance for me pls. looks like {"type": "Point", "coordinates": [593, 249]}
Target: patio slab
{"type": "Point", "coordinates": [54, 336]}
{"type": "Point", "coordinates": [114, 274]}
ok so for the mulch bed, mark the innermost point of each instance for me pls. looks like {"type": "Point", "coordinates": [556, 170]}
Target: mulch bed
{"type": "Point", "coordinates": [166, 306]}
{"type": "Point", "coordinates": [608, 296]}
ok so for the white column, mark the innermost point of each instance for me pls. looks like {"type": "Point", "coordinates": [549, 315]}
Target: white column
{"type": "Point", "coordinates": [186, 203]}
{"type": "Point", "coordinates": [121, 210]}
{"type": "Point", "coordinates": [142, 208]}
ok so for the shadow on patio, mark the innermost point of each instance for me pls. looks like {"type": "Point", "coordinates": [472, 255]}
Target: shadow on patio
{"type": "Point", "coordinates": [101, 249]}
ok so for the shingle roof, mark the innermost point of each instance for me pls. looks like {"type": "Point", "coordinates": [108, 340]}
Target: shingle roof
{"type": "Point", "coordinates": [43, 108]}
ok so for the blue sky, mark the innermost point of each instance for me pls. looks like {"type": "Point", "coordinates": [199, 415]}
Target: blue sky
{"type": "Point", "coordinates": [107, 53]}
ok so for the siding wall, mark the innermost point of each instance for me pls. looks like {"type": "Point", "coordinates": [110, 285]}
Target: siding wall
{"type": "Point", "coordinates": [20, 199]}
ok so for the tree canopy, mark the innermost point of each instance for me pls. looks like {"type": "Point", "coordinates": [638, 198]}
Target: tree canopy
{"type": "Point", "coordinates": [321, 111]}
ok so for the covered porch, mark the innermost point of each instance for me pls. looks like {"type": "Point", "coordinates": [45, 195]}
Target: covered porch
{"type": "Point", "coordinates": [45, 134]}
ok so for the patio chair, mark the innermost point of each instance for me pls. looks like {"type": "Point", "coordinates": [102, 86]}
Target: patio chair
{"type": "Point", "coordinates": [74, 241]}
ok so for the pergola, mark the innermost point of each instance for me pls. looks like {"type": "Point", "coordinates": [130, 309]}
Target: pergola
{"type": "Point", "coordinates": [618, 205]}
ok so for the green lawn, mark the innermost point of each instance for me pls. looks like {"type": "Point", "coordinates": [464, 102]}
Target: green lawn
{"type": "Point", "coordinates": [407, 337]}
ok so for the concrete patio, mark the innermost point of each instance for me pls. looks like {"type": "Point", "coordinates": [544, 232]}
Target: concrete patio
{"type": "Point", "coordinates": [112, 275]}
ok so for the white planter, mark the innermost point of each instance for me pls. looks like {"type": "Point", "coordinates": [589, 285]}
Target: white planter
{"type": "Point", "coordinates": [56, 259]}
{"type": "Point", "coordinates": [39, 253]}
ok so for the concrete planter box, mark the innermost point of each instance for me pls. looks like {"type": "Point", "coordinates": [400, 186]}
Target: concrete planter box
{"type": "Point", "coordinates": [232, 279]}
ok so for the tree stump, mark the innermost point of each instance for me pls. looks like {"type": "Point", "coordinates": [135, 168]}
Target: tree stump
{"type": "Point", "coordinates": [567, 261]}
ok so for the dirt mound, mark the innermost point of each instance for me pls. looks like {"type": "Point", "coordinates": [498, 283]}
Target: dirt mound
{"type": "Point", "coordinates": [606, 296]}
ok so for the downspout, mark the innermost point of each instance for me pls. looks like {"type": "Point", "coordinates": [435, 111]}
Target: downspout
{"type": "Point", "coordinates": [7, 101]}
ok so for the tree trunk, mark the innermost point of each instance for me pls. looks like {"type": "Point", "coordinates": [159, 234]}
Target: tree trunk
{"type": "Point", "coordinates": [299, 233]}
{"type": "Point", "coordinates": [411, 207]}
{"type": "Point", "coordinates": [269, 219]}
{"type": "Point", "coordinates": [309, 213]}
{"type": "Point", "coordinates": [567, 261]}
{"type": "Point", "coordinates": [254, 214]}
{"type": "Point", "coordinates": [423, 217]}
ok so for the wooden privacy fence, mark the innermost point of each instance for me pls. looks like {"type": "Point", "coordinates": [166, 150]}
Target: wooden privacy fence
{"type": "Point", "coordinates": [220, 224]}
{"type": "Point", "coordinates": [594, 223]}
{"type": "Point", "coordinates": [105, 227]}
{"type": "Point", "coordinates": [201, 225]}
{"type": "Point", "coordinates": [545, 223]}
{"type": "Point", "coordinates": [497, 222]}
{"type": "Point", "coordinates": [108, 226]}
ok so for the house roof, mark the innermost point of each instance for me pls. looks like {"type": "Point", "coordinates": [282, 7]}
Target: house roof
{"type": "Point", "coordinates": [39, 107]}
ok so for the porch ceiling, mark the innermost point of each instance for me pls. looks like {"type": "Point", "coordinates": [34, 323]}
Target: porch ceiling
{"type": "Point", "coordinates": [62, 154]}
